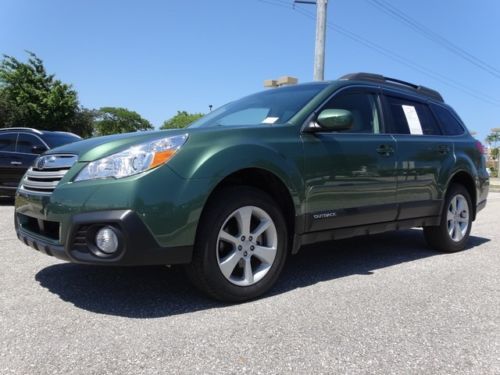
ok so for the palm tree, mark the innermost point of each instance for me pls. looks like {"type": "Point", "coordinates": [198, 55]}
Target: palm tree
{"type": "Point", "coordinates": [493, 138]}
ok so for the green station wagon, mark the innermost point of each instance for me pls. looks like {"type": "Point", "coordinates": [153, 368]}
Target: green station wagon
{"type": "Point", "coordinates": [242, 188]}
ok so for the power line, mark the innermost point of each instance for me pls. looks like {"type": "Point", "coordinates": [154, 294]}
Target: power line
{"type": "Point", "coordinates": [284, 2]}
{"type": "Point", "coordinates": [276, 3]}
{"type": "Point", "coordinates": [396, 57]}
{"type": "Point", "coordinates": [407, 62]}
{"type": "Point", "coordinates": [396, 13]}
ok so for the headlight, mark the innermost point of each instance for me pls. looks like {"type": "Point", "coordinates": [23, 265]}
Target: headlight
{"type": "Point", "coordinates": [133, 160]}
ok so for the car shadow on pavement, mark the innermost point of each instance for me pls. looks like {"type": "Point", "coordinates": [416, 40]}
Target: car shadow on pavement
{"type": "Point", "coordinates": [6, 201]}
{"type": "Point", "coordinates": [152, 292]}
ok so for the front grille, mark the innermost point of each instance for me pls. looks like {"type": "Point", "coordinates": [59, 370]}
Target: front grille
{"type": "Point", "coordinates": [46, 173]}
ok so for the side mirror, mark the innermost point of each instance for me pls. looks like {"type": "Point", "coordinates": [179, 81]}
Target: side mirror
{"type": "Point", "coordinates": [335, 119]}
{"type": "Point", "coordinates": [38, 149]}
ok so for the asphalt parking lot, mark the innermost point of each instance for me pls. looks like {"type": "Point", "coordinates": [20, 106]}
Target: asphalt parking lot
{"type": "Point", "coordinates": [382, 305]}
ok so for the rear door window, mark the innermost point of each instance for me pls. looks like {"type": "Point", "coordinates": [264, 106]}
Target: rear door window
{"type": "Point", "coordinates": [448, 122]}
{"type": "Point", "coordinates": [411, 117]}
{"type": "Point", "coordinates": [8, 142]}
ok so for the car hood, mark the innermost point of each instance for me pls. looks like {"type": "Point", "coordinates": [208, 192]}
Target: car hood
{"type": "Point", "coordinates": [100, 147]}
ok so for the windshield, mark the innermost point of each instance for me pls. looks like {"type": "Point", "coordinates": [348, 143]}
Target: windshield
{"type": "Point", "coordinates": [274, 106]}
{"type": "Point", "coordinates": [60, 139]}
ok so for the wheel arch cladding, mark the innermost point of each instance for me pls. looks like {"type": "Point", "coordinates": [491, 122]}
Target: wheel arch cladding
{"type": "Point", "coordinates": [466, 180]}
{"type": "Point", "coordinates": [265, 181]}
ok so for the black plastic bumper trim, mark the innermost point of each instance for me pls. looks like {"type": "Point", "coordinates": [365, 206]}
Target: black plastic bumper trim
{"type": "Point", "coordinates": [480, 206]}
{"type": "Point", "coordinates": [139, 246]}
{"type": "Point", "coordinates": [361, 230]}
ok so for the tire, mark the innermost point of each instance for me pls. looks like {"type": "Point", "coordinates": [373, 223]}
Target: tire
{"type": "Point", "coordinates": [456, 222]}
{"type": "Point", "coordinates": [232, 260]}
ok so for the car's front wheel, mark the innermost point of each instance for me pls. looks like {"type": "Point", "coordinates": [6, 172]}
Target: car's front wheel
{"type": "Point", "coordinates": [456, 222]}
{"type": "Point", "coordinates": [241, 245]}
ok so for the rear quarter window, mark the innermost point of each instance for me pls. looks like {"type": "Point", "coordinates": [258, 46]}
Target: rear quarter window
{"type": "Point", "coordinates": [448, 122]}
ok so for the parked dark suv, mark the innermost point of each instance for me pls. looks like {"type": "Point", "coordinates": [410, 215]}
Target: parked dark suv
{"type": "Point", "coordinates": [250, 183]}
{"type": "Point", "coordinates": [19, 147]}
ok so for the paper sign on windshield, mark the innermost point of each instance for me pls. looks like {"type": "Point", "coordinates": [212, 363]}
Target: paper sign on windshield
{"type": "Point", "coordinates": [412, 119]}
{"type": "Point", "coordinates": [270, 120]}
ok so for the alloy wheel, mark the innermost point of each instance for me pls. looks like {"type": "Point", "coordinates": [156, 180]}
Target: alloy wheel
{"type": "Point", "coordinates": [458, 218]}
{"type": "Point", "coordinates": [247, 244]}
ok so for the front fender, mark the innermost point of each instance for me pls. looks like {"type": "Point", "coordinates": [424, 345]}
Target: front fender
{"type": "Point", "coordinates": [216, 158]}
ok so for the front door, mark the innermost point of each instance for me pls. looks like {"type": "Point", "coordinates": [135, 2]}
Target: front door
{"type": "Point", "coordinates": [350, 175]}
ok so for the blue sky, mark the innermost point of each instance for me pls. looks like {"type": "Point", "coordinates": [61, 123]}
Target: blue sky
{"type": "Point", "coordinates": [157, 57]}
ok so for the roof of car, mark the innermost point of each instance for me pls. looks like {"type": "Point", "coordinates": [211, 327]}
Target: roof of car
{"type": "Point", "coordinates": [382, 81]}
{"type": "Point", "coordinates": [36, 131]}
{"type": "Point", "coordinates": [394, 83]}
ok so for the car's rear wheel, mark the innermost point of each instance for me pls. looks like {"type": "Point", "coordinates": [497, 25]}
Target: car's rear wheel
{"type": "Point", "coordinates": [456, 222]}
{"type": "Point", "coordinates": [241, 245]}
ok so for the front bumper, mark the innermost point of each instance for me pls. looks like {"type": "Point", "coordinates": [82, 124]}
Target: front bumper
{"type": "Point", "coordinates": [138, 246]}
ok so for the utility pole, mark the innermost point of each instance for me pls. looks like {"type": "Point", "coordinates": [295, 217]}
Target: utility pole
{"type": "Point", "coordinates": [319, 52]}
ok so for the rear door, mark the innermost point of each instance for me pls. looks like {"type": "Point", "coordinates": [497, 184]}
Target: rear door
{"type": "Point", "coordinates": [350, 176]}
{"type": "Point", "coordinates": [8, 162]}
{"type": "Point", "coordinates": [425, 155]}
{"type": "Point", "coordinates": [464, 146]}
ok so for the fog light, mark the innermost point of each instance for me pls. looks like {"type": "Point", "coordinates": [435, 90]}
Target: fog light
{"type": "Point", "coordinates": [106, 240]}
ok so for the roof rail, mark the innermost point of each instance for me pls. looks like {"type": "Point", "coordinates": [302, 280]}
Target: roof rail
{"type": "Point", "coordinates": [395, 82]}
{"type": "Point", "coordinates": [21, 128]}
{"type": "Point", "coordinates": [63, 132]}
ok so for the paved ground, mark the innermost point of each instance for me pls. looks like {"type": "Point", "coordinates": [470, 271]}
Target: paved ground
{"type": "Point", "coordinates": [495, 184]}
{"type": "Point", "coordinates": [383, 304]}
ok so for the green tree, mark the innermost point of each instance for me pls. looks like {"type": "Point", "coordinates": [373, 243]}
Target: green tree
{"type": "Point", "coordinates": [493, 138]}
{"type": "Point", "coordinates": [112, 120]}
{"type": "Point", "coordinates": [31, 97]}
{"type": "Point", "coordinates": [494, 153]}
{"type": "Point", "coordinates": [83, 122]}
{"type": "Point", "coordinates": [3, 110]}
{"type": "Point", "coordinates": [181, 120]}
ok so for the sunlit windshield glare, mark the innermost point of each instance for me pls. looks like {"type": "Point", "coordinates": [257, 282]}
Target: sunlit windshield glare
{"type": "Point", "coordinates": [274, 106]}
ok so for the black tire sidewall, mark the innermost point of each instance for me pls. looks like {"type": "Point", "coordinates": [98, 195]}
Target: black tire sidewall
{"type": "Point", "coordinates": [448, 242]}
{"type": "Point", "coordinates": [223, 205]}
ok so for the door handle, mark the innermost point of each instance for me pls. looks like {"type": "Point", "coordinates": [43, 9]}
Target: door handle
{"type": "Point", "coordinates": [443, 149]}
{"type": "Point", "coordinates": [16, 163]}
{"type": "Point", "coordinates": [385, 150]}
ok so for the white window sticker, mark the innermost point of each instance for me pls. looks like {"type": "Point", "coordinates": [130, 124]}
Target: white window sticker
{"type": "Point", "coordinates": [270, 120]}
{"type": "Point", "coordinates": [412, 119]}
